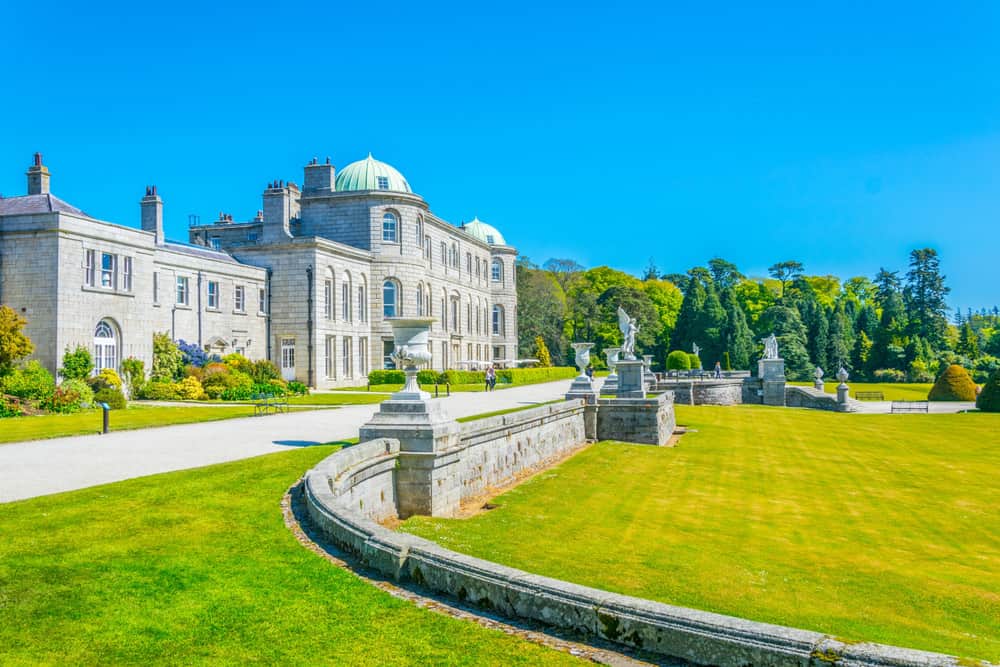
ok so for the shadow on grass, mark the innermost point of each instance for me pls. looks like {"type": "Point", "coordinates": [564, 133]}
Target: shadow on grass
{"type": "Point", "coordinates": [314, 443]}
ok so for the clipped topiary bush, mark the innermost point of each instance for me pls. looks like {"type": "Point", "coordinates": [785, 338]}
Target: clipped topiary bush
{"type": "Point", "coordinates": [158, 391]}
{"type": "Point", "coordinates": [113, 397]}
{"type": "Point", "coordinates": [678, 360]}
{"type": "Point", "coordinates": [695, 361]}
{"type": "Point", "coordinates": [519, 376]}
{"type": "Point", "coordinates": [955, 384]}
{"type": "Point", "coordinates": [298, 388]}
{"type": "Point", "coordinates": [989, 398]}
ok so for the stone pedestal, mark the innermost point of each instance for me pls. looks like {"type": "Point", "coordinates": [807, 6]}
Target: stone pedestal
{"type": "Point", "coordinates": [843, 391]}
{"type": "Point", "coordinates": [427, 481]}
{"type": "Point", "coordinates": [818, 385]}
{"type": "Point", "coordinates": [647, 370]}
{"type": "Point", "coordinates": [582, 387]}
{"type": "Point", "coordinates": [610, 385]}
{"type": "Point", "coordinates": [631, 381]}
{"type": "Point", "coordinates": [771, 373]}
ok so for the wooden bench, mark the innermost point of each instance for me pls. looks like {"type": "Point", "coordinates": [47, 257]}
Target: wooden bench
{"type": "Point", "coordinates": [902, 407]}
{"type": "Point", "coordinates": [869, 396]}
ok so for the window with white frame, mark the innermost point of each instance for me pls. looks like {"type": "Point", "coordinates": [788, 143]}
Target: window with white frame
{"type": "Point", "coordinates": [382, 182]}
{"type": "Point", "coordinates": [498, 323]}
{"type": "Point", "coordinates": [216, 243]}
{"type": "Point", "coordinates": [108, 270]}
{"type": "Point", "coordinates": [363, 356]}
{"type": "Point", "coordinates": [362, 305]}
{"type": "Point", "coordinates": [389, 227]}
{"type": "Point", "coordinates": [252, 237]}
{"type": "Point", "coordinates": [331, 361]}
{"type": "Point", "coordinates": [261, 300]}
{"type": "Point", "coordinates": [105, 347]}
{"type": "Point", "coordinates": [213, 294]}
{"type": "Point", "coordinates": [389, 297]}
{"type": "Point", "coordinates": [428, 248]}
{"type": "Point", "coordinates": [183, 292]}
{"type": "Point", "coordinates": [420, 300]}
{"type": "Point", "coordinates": [345, 301]}
{"type": "Point", "coordinates": [89, 268]}
{"type": "Point", "coordinates": [497, 272]}
{"type": "Point", "coordinates": [420, 231]}
{"type": "Point", "coordinates": [455, 324]}
{"type": "Point", "coordinates": [345, 355]}
{"type": "Point", "coordinates": [468, 317]}
{"type": "Point", "coordinates": [444, 253]}
{"type": "Point", "coordinates": [468, 263]}
{"type": "Point", "coordinates": [240, 299]}
{"type": "Point", "coordinates": [328, 299]}
{"type": "Point", "coordinates": [127, 274]}
{"type": "Point", "coordinates": [156, 287]}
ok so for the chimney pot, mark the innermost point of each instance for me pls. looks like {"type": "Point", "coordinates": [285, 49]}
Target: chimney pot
{"type": "Point", "coordinates": [38, 159]}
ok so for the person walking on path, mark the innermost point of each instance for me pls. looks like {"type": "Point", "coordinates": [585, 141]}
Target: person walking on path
{"type": "Point", "coordinates": [491, 378]}
{"type": "Point", "coordinates": [718, 370]}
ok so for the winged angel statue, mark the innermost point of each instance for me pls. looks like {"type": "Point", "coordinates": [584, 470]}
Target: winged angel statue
{"type": "Point", "coordinates": [629, 329]}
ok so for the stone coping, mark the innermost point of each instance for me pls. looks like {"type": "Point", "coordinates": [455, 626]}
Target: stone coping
{"type": "Point", "coordinates": [519, 419]}
{"type": "Point", "coordinates": [701, 382]}
{"type": "Point", "coordinates": [697, 636]}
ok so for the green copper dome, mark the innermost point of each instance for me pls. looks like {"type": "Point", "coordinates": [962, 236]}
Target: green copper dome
{"type": "Point", "coordinates": [370, 174]}
{"type": "Point", "coordinates": [485, 233]}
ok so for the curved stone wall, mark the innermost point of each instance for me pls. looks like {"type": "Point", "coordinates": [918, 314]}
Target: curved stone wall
{"type": "Point", "coordinates": [348, 492]}
{"type": "Point", "coordinates": [704, 392]}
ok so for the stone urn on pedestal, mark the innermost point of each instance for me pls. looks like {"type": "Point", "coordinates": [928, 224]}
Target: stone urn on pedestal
{"type": "Point", "coordinates": [582, 386]}
{"type": "Point", "coordinates": [842, 389]}
{"type": "Point", "coordinates": [611, 382]}
{"type": "Point", "coordinates": [818, 378]}
{"type": "Point", "coordinates": [427, 479]}
{"type": "Point", "coordinates": [647, 370]}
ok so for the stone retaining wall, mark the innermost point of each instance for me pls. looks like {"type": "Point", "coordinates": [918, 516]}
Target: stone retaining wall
{"type": "Point", "coordinates": [808, 397]}
{"type": "Point", "coordinates": [497, 449]}
{"type": "Point", "coordinates": [343, 496]}
{"type": "Point", "coordinates": [648, 421]}
{"type": "Point", "coordinates": [704, 392]}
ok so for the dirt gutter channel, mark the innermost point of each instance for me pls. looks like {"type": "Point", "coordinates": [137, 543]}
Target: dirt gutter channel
{"type": "Point", "coordinates": [297, 521]}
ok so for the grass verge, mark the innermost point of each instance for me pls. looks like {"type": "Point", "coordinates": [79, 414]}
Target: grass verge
{"type": "Point", "coordinates": [198, 566]}
{"type": "Point", "coordinates": [16, 429]}
{"type": "Point", "coordinates": [902, 391]}
{"type": "Point", "coordinates": [877, 527]}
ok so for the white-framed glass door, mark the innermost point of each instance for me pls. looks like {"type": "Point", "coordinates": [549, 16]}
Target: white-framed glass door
{"type": "Point", "coordinates": [288, 359]}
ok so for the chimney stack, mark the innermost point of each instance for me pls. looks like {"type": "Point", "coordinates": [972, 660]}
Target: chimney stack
{"type": "Point", "coordinates": [38, 177]}
{"type": "Point", "coordinates": [277, 213]}
{"type": "Point", "coordinates": [152, 213]}
{"type": "Point", "coordinates": [319, 178]}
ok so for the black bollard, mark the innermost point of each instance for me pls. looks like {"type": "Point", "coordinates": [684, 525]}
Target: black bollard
{"type": "Point", "coordinates": [106, 409]}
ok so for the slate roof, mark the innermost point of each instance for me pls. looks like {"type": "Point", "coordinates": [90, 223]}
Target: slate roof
{"type": "Point", "coordinates": [199, 251]}
{"type": "Point", "coordinates": [28, 204]}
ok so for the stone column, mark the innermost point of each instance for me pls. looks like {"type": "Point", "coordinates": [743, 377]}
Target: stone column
{"type": "Point", "coordinates": [772, 380]}
{"type": "Point", "coordinates": [427, 480]}
{"type": "Point", "coordinates": [843, 391]}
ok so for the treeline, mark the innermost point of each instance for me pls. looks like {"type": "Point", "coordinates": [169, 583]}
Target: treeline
{"type": "Point", "coordinates": [891, 327]}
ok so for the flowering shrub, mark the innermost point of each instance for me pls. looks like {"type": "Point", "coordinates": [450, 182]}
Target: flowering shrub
{"type": "Point", "coordinates": [190, 389]}
{"type": "Point", "coordinates": [83, 390]}
{"type": "Point", "coordinates": [63, 400]}
{"type": "Point", "coordinates": [32, 381]}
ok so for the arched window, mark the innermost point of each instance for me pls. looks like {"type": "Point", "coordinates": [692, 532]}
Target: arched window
{"type": "Point", "coordinates": [105, 346]}
{"type": "Point", "coordinates": [389, 227]}
{"type": "Point", "coordinates": [345, 297]}
{"type": "Point", "coordinates": [389, 299]}
{"type": "Point", "coordinates": [420, 301]}
{"type": "Point", "coordinates": [420, 231]}
{"type": "Point", "coordinates": [498, 323]}
{"type": "Point", "coordinates": [497, 271]}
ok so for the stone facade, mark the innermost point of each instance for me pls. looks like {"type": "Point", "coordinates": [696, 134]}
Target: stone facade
{"type": "Point", "coordinates": [704, 392]}
{"type": "Point", "coordinates": [302, 283]}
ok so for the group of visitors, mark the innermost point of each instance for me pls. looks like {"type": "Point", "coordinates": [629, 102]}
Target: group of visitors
{"type": "Point", "coordinates": [491, 378]}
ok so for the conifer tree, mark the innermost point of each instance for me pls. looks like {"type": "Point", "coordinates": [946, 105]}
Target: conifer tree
{"type": "Point", "coordinates": [737, 337]}
{"type": "Point", "coordinates": [787, 327]}
{"type": "Point", "coordinates": [924, 296]}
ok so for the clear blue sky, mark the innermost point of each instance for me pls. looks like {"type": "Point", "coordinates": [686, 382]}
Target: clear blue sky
{"type": "Point", "coordinates": [841, 136]}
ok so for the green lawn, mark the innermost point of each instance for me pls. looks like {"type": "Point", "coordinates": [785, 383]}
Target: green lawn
{"type": "Point", "coordinates": [867, 527]}
{"type": "Point", "coordinates": [338, 398]}
{"type": "Point", "coordinates": [901, 391]}
{"type": "Point", "coordinates": [196, 567]}
{"type": "Point", "coordinates": [389, 388]}
{"type": "Point", "coordinates": [15, 429]}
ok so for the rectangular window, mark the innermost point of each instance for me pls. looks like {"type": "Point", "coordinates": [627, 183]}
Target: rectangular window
{"type": "Point", "coordinates": [468, 263]}
{"type": "Point", "coordinates": [252, 237]}
{"type": "Point", "coordinates": [127, 274]}
{"type": "Point", "coordinates": [382, 182]}
{"type": "Point", "coordinates": [89, 268]}
{"type": "Point", "coordinates": [345, 301]}
{"type": "Point", "coordinates": [328, 299]}
{"type": "Point", "coordinates": [444, 253]}
{"type": "Point", "coordinates": [239, 299]}
{"type": "Point", "coordinates": [468, 317]}
{"type": "Point", "coordinates": [331, 365]}
{"type": "Point", "coordinates": [156, 286]}
{"type": "Point", "coordinates": [362, 308]}
{"type": "Point", "coordinates": [427, 247]}
{"type": "Point", "coordinates": [498, 351]}
{"type": "Point", "coordinates": [108, 270]}
{"type": "Point", "coordinates": [288, 358]}
{"type": "Point", "coordinates": [183, 295]}
{"type": "Point", "coordinates": [345, 355]}
{"type": "Point", "coordinates": [216, 243]}
{"type": "Point", "coordinates": [261, 300]}
{"type": "Point", "coordinates": [213, 295]}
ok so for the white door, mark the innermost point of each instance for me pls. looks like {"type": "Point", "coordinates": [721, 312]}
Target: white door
{"type": "Point", "coordinates": [288, 359]}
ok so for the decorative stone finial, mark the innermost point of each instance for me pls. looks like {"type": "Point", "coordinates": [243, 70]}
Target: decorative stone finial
{"type": "Point", "coordinates": [38, 159]}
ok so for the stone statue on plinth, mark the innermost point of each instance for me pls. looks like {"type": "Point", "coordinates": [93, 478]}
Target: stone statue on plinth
{"type": "Point", "coordinates": [629, 328]}
{"type": "Point", "coordinates": [770, 347]}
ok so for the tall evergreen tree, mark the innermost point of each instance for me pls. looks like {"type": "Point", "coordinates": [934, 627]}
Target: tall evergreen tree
{"type": "Point", "coordinates": [737, 337]}
{"type": "Point", "coordinates": [689, 321]}
{"type": "Point", "coordinates": [841, 338]}
{"type": "Point", "coordinates": [724, 274]}
{"type": "Point", "coordinates": [924, 296]}
{"type": "Point", "coordinates": [787, 327]}
{"type": "Point", "coordinates": [785, 272]}
{"type": "Point", "coordinates": [968, 341]}
{"type": "Point", "coordinates": [712, 324]}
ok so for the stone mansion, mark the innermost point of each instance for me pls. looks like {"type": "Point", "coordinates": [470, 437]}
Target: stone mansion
{"type": "Point", "coordinates": [308, 283]}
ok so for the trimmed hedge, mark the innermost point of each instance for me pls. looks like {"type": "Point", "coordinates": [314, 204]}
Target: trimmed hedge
{"type": "Point", "coordinates": [989, 398]}
{"type": "Point", "coordinates": [515, 376]}
{"type": "Point", "coordinates": [955, 384]}
{"type": "Point", "coordinates": [113, 397]}
{"type": "Point", "coordinates": [678, 360]}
